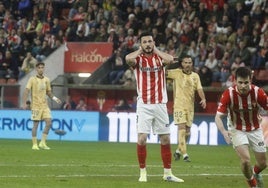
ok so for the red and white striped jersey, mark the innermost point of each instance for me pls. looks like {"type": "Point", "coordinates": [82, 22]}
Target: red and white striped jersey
{"type": "Point", "coordinates": [243, 110]}
{"type": "Point", "coordinates": [151, 82]}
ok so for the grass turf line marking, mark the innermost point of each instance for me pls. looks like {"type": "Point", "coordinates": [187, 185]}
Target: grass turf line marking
{"type": "Point", "coordinates": [108, 165]}
{"type": "Point", "coordinates": [110, 175]}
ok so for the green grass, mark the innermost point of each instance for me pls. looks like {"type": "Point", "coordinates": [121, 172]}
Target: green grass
{"type": "Point", "coordinates": [113, 165]}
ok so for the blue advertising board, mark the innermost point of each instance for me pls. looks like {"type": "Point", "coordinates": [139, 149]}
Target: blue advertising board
{"type": "Point", "coordinates": [79, 126]}
{"type": "Point", "coordinates": [96, 126]}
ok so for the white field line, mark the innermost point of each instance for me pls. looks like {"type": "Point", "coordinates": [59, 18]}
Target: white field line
{"type": "Point", "coordinates": [107, 175]}
{"type": "Point", "coordinates": [110, 166]}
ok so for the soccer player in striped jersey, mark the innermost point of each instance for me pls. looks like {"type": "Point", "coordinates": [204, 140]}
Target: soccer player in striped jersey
{"type": "Point", "coordinates": [148, 64]}
{"type": "Point", "coordinates": [242, 104]}
{"type": "Point", "coordinates": [185, 84]}
{"type": "Point", "coordinates": [39, 87]}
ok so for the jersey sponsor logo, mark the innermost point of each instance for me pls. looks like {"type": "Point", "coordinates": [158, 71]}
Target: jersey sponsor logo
{"type": "Point", "coordinates": [151, 69]}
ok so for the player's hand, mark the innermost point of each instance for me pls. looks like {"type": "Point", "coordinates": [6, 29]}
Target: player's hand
{"type": "Point", "coordinates": [140, 50]}
{"type": "Point", "coordinates": [203, 103]}
{"type": "Point", "coordinates": [227, 137]}
{"type": "Point", "coordinates": [57, 100]}
{"type": "Point", "coordinates": [156, 50]}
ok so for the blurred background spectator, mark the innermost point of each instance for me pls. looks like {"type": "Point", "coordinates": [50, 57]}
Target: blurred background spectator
{"type": "Point", "coordinates": [81, 105]}
{"type": "Point", "coordinates": [205, 75]}
{"type": "Point", "coordinates": [68, 103]}
{"type": "Point", "coordinates": [122, 105]}
{"type": "Point", "coordinates": [118, 67]}
{"type": "Point", "coordinates": [128, 78]}
{"type": "Point", "coordinates": [27, 65]}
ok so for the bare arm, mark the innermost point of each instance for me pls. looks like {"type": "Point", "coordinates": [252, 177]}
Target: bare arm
{"type": "Point", "coordinates": [203, 98]}
{"type": "Point", "coordinates": [224, 132]}
{"type": "Point", "coordinates": [131, 57]}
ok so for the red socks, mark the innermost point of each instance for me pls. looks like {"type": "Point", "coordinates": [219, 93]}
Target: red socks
{"type": "Point", "coordinates": [166, 155]}
{"type": "Point", "coordinates": [141, 152]}
{"type": "Point", "coordinates": [252, 182]}
{"type": "Point", "coordinates": [256, 170]}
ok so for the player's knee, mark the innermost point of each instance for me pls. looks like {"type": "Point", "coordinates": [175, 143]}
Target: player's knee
{"type": "Point", "coordinates": [245, 162]}
{"type": "Point", "coordinates": [142, 138]}
{"type": "Point", "coordinates": [165, 139]}
{"type": "Point", "coordinates": [187, 134]}
{"type": "Point", "coordinates": [263, 165]}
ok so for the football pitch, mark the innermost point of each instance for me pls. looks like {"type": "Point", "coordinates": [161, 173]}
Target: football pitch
{"type": "Point", "coordinates": [113, 165]}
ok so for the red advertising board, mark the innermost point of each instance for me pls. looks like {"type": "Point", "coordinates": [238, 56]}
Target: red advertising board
{"type": "Point", "coordinates": [85, 57]}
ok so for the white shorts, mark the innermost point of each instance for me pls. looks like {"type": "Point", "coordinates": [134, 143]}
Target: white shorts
{"type": "Point", "coordinates": [152, 117]}
{"type": "Point", "coordinates": [254, 139]}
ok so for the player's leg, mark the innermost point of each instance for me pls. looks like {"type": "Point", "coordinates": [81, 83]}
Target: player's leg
{"type": "Point", "coordinates": [189, 117]}
{"type": "Point", "coordinates": [46, 116]}
{"type": "Point", "coordinates": [261, 164]}
{"type": "Point", "coordinates": [241, 142]}
{"type": "Point", "coordinates": [182, 142]}
{"type": "Point", "coordinates": [34, 135]}
{"type": "Point", "coordinates": [43, 143]}
{"type": "Point", "coordinates": [162, 129]}
{"type": "Point", "coordinates": [187, 133]}
{"type": "Point", "coordinates": [166, 158]}
{"type": "Point", "coordinates": [180, 120]}
{"type": "Point", "coordinates": [35, 117]}
{"type": "Point", "coordinates": [186, 157]}
{"type": "Point", "coordinates": [165, 150]}
{"type": "Point", "coordinates": [177, 153]}
{"type": "Point", "coordinates": [256, 139]}
{"type": "Point", "coordinates": [244, 155]}
{"type": "Point", "coordinates": [144, 124]}
{"type": "Point", "coordinates": [182, 148]}
{"type": "Point", "coordinates": [142, 154]}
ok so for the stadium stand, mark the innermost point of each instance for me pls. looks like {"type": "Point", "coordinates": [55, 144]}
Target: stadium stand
{"type": "Point", "coordinates": [216, 26]}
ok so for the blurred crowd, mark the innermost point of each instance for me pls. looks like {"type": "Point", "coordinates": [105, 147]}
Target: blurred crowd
{"type": "Point", "coordinates": [220, 35]}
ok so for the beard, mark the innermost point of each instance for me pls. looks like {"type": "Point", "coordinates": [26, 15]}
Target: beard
{"type": "Point", "coordinates": [147, 50]}
{"type": "Point", "coordinates": [187, 70]}
{"type": "Point", "coordinates": [243, 91]}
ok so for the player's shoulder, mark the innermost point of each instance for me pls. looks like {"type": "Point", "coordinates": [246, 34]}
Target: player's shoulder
{"type": "Point", "coordinates": [32, 78]}
{"type": "Point", "coordinates": [257, 89]}
{"type": "Point", "coordinates": [195, 74]}
{"type": "Point", "coordinates": [229, 90]}
{"type": "Point", "coordinates": [253, 87]}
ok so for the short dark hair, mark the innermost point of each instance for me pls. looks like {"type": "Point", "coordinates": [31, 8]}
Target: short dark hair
{"type": "Point", "coordinates": [145, 34]}
{"type": "Point", "coordinates": [182, 58]}
{"type": "Point", "coordinates": [39, 63]}
{"type": "Point", "coordinates": [243, 72]}
{"type": "Point", "coordinates": [186, 56]}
